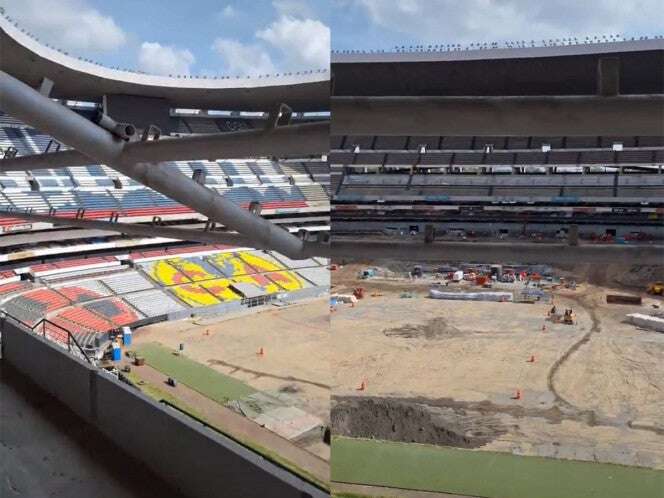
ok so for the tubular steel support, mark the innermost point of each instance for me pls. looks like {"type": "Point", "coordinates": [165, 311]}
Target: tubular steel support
{"type": "Point", "coordinates": [28, 105]}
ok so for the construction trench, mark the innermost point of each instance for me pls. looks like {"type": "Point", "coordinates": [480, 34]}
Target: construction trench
{"type": "Point", "coordinates": [549, 418]}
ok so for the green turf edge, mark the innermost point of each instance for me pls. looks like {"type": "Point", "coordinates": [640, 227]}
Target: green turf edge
{"type": "Point", "coordinates": [346, 494]}
{"type": "Point", "coordinates": [483, 473]}
{"type": "Point", "coordinates": [158, 395]}
{"type": "Point", "coordinates": [202, 379]}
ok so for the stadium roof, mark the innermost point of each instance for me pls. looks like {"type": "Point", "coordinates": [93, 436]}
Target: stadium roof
{"type": "Point", "coordinates": [555, 70]}
{"type": "Point", "coordinates": [608, 89]}
{"type": "Point", "coordinates": [76, 79]}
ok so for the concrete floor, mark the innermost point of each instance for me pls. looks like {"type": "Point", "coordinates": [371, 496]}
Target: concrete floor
{"type": "Point", "coordinates": [47, 451]}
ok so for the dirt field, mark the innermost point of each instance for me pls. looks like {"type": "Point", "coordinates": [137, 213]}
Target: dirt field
{"type": "Point", "coordinates": [296, 352]}
{"type": "Point", "coordinates": [447, 372]}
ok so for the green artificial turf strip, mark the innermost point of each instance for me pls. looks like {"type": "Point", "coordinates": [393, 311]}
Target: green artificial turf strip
{"type": "Point", "coordinates": [210, 383]}
{"type": "Point", "coordinates": [486, 474]}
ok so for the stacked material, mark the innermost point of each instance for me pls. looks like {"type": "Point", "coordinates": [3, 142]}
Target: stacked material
{"type": "Point", "coordinates": [647, 321]}
{"type": "Point", "coordinates": [471, 296]}
{"type": "Point", "coordinates": [622, 299]}
{"type": "Point", "coordinates": [344, 298]}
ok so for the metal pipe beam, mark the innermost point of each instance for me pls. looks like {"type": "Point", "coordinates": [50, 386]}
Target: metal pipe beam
{"type": "Point", "coordinates": [293, 140]}
{"type": "Point", "coordinates": [28, 105]}
{"type": "Point", "coordinates": [499, 116]}
{"type": "Point", "coordinates": [48, 160]}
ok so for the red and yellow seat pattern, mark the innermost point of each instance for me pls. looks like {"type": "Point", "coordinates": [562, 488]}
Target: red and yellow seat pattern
{"type": "Point", "coordinates": [194, 295]}
{"type": "Point", "coordinates": [220, 288]}
{"type": "Point", "coordinates": [231, 264]}
{"type": "Point", "coordinates": [164, 273]}
{"type": "Point", "coordinates": [196, 269]}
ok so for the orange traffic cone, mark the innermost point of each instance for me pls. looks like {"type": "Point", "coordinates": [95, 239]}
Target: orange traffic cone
{"type": "Point", "coordinates": [531, 359]}
{"type": "Point", "coordinates": [517, 394]}
{"type": "Point", "coordinates": [261, 352]}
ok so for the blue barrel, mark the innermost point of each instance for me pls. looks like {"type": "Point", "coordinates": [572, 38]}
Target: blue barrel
{"type": "Point", "coordinates": [117, 353]}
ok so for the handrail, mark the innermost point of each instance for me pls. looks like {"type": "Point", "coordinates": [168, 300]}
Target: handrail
{"type": "Point", "coordinates": [70, 337]}
{"type": "Point", "coordinates": [33, 328]}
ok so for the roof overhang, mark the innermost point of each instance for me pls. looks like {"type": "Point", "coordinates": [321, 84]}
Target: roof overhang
{"type": "Point", "coordinates": [560, 70]}
{"type": "Point", "coordinates": [28, 60]}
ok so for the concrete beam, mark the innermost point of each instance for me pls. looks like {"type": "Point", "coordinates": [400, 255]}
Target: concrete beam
{"type": "Point", "coordinates": [494, 252]}
{"type": "Point", "coordinates": [147, 230]}
{"type": "Point", "coordinates": [499, 116]}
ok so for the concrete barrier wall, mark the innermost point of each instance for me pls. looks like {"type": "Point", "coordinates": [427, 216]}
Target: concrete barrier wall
{"type": "Point", "coordinates": [49, 366]}
{"type": "Point", "coordinates": [198, 461]}
{"type": "Point", "coordinates": [195, 459]}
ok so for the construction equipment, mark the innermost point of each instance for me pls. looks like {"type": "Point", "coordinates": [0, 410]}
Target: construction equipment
{"type": "Point", "coordinates": [569, 317]}
{"type": "Point", "coordinates": [656, 289]}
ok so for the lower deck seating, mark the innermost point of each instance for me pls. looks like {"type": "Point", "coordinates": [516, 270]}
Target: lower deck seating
{"type": "Point", "coordinates": [126, 282]}
{"type": "Point", "coordinates": [221, 289]}
{"type": "Point", "coordinates": [164, 273]}
{"type": "Point", "coordinates": [88, 304]}
{"type": "Point", "coordinates": [194, 295]}
{"type": "Point", "coordinates": [79, 294]}
{"type": "Point", "coordinates": [195, 268]}
{"type": "Point", "coordinates": [115, 311]}
{"type": "Point", "coordinates": [153, 303]}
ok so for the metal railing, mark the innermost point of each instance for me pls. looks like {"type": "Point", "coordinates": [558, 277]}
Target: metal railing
{"type": "Point", "coordinates": [55, 333]}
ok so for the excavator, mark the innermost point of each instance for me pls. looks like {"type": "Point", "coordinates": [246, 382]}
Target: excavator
{"type": "Point", "coordinates": [656, 289]}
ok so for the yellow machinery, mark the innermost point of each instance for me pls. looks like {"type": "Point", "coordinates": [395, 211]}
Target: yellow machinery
{"type": "Point", "coordinates": [656, 289]}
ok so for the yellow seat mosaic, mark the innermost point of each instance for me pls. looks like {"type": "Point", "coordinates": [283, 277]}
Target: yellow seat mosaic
{"type": "Point", "coordinates": [259, 280]}
{"type": "Point", "coordinates": [231, 265]}
{"type": "Point", "coordinates": [164, 273]}
{"type": "Point", "coordinates": [261, 263]}
{"type": "Point", "coordinates": [195, 268]}
{"type": "Point", "coordinates": [220, 287]}
{"type": "Point", "coordinates": [287, 280]}
{"type": "Point", "coordinates": [194, 295]}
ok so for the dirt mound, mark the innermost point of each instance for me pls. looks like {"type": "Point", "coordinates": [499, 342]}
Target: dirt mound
{"type": "Point", "coordinates": [635, 277]}
{"type": "Point", "coordinates": [397, 420]}
{"type": "Point", "coordinates": [433, 329]}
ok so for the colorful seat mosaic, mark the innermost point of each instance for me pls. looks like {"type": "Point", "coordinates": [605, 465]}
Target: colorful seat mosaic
{"type": "Point", "coordinates": [194, 295]}
{"type": "Point", "coordinates": [164, 273]}
{"type": "Point", "coordinates": [195, 268]}
{"type": "Point", "coordinates": [231, 264]}
{"type": "Point", "coordinates": [221, 289]}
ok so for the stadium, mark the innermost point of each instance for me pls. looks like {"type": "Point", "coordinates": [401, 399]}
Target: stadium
{"type": "Point", "coordinates": [432, 271]}
{"type": "Point", "coordinates": [163, 244]}
{"type": "Point", "coordinates": [491, 344]}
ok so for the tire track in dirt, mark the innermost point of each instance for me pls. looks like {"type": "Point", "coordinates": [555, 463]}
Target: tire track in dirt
{"type": "Point", "coordinates": [590, 416]}
{"type": "Point", "coordinates": [557, 365]}
{"type": "Point", "coordinates": [257, 373]}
